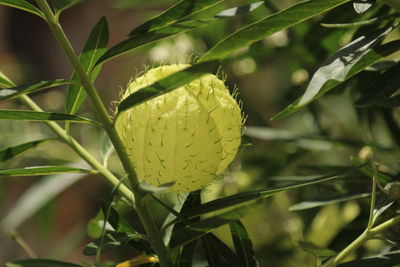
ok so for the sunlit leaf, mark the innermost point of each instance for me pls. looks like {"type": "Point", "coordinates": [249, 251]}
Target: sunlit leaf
{"type": "Point", "coordinates": [7, 93]}
{"type": "Point", "coordinates": [43, 170]}
{"type": "Point", "coordinates": [340, 68]}
{"type": "Point", "coordinates": [361, 6]}
{"type": "Point", "coordinates": [197, 229]}
{"type": "Point", "coordinates": [319, 203]}
{"type": "Point", "coordinates": [23, 5]}
{"type": "Point", "coordinates": [40, 263]}
{"type": "Point", "coordinates": [26, 115]}
{"type": "Point", "coordinates": [268, 26]}
{"type": "Point", "coordinates": [95, 47]}
{"type": "Point", "coordinates": [243, 244]}
{"type": "Point", "coordinates": [12, 152]}
{"type": "Point", "coordinates": [234, 11]}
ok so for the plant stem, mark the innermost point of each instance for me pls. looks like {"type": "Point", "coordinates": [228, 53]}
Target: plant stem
{"type": "Point", "coordinates": [81, 151]}
{"type": "Point", "coordinates": [150, 226]}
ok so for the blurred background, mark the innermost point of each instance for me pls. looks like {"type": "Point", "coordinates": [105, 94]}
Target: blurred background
{"type": "Point", "coordinates": [53, 216]}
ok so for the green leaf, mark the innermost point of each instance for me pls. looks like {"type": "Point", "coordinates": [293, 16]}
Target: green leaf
{"type": "Point", "coordinates": [43, 170]}
{"type": "Point", "coordinates": [213, 257]}
{"type": "Point", "coordinates": [325, 79]}
{"type": "Point", "coordinates": [14, 151]}
{"type": "Point", "coordinates": [40, 263]}
{"type": "Point", "coordinates": [25, 115]}
{"type": "Point", "coordinates": [243, 244]}
{"type": "Point", "coordinates": [111, 240]}
{"type": "Point", "coordinates": [168, 84]}
{"type": "Point", "coordinates": [119, 224]}
{"type": "Point", "coordinates": [5, 82]}
{"type": "Point", "coordinates": [24, 5]}
{"type": "Point", "coordinates": [239, 198]}
{"type": "Point", "coordinates": [319, 203]}
{"type": "Point", "coordinates": [197, 229]}
{"type": "Point", "coordinates": [389, 259]}
{"type": "Point", "coordinates": [318, 252]}
{"type": "Point", "coordinates": [35, 197]}
{"type": "Point", "coordinates": [268, 26]}
{"type": "Point", "coordinates": [158, 32]}
{"type": "Point", "coordinates": [61, 5]}
{"type": "Point", "coordinates": [222, 248]}
{"type": "Point", "coordinates": [185, 257]}
{"type": "Point", "coordinates": [179, 11]}
{"type": "Point", "coordinates": [95, 47]}
{"type": "Point", "coordinates": [383, 92]}
{"type": "Point", "coordinates": [7, 93]}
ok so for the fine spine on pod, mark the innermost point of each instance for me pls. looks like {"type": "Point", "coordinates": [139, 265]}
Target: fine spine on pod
{"type": "Point", "coordinates": [187, 136]}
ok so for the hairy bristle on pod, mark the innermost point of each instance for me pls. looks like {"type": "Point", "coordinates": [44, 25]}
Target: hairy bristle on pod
{"type": "Point", "coordinates": [187, 136]}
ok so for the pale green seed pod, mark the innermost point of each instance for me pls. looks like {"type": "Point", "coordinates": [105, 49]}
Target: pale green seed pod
{"type": "Point", "coordinates": [187, 136]}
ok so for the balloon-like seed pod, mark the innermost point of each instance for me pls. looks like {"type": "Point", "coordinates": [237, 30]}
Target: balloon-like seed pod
{"type": "Point", "coordinates": [187, 136]}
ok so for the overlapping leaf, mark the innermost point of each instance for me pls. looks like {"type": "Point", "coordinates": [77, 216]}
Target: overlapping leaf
{"type": "Point", "coordinates": [12, 152]}
{"type": "Point", "coordinates": [168, 26]}
{"type": "Point", "coordinates": [175, 13]}
{"type": "Point", "coordinates": [389, 259]}
{"type": "Point", "coordinates": [23, 5]}
{"type": "Point", "coordinates": [8, 93]}
{"type": "Point", "coordinates": [197, 229]}
{"type": "Point", "coordinates": [243, 244]}
{"type": "Point", "coordinates": [43, 170]}
{"type": "Point", "coordinates": [345, 63]}
{"type": "Point", "coordinates": [268, 26]}
{"type": "Point", "coordinates": [94, 48]}
{"type": "Point", "coordinates": [26, 115]}
{"type": "Point", "coordinates": [239, 198]}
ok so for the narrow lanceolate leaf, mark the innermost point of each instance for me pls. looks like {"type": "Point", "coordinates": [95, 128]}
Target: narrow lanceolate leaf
{"type": "Point", "coordinates": [337, 72]}
{"type": "Point", "coordinates": [43, 170]}
{"type": "Point", "coordinates": [61, 5]}
{"type": "Point", "coordinates": [26, 115]}
{"type": "Point", "coordinates": [5, 82]}
{"type": "Point", "coordinates": [24, 5]}
{"type": "Point", "coordinates": [40, 263]}
{"type": "Point", "coordinates": [388, 259]}
{"type": "Point", "coordinates": [14, 151]}
{"type": "Point", "coordinates": [269, 25]}
{"type": "Point", "coordinates": [319, 203]}
{"type": "Point", "coordinates": [94, 48]}
{"type": "Point", "coordinates": [168, 84]}
{"type": "Point", "coordinates": [179, 11]}
{"type": "Point", "coordinates": [239, 198]}
{"type": "Point", "coordinates": [197, 229]}
{"type": "Point", "coordinates": [7, 93]}
{"type": "Point", "coordinates": [243, 244]}
{"type": "Point", "coordinates": [159, 31]}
